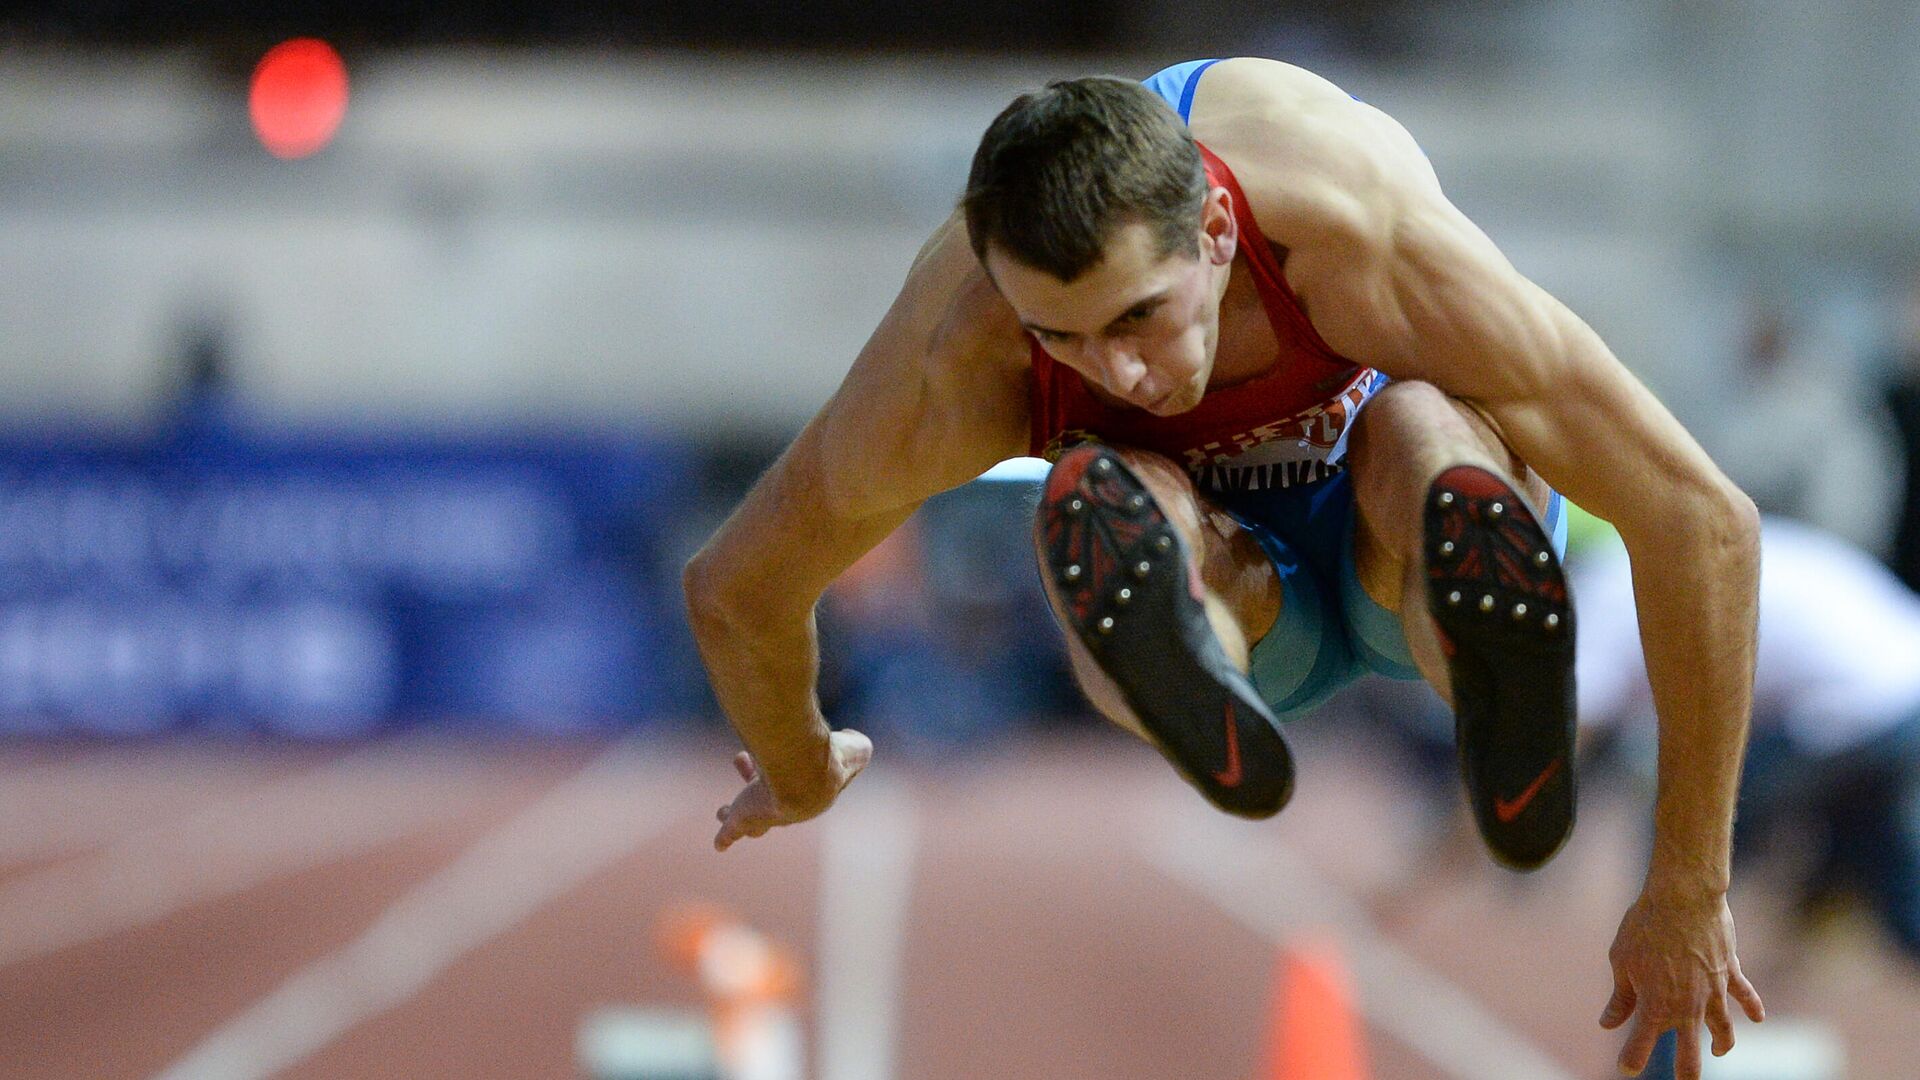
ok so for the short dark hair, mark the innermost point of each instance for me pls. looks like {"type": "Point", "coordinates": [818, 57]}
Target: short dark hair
{"type": "Point", "coordinates": [1059, 169]}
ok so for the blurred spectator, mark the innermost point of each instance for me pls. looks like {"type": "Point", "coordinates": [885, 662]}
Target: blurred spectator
{"type": "Point", "coordinates": [1835, 750]}
{"type": "Point", "coordinates": [1833, 766]}
{"type": "Point", "coordinates": [200, 396]}
{"type": "Point", "coordinates": [1903, 400]}
{"type": "Point", "coordinates": [1793, 434]}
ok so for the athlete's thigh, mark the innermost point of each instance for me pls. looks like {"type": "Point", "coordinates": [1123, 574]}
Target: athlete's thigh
{"type": "Point", "coordinates": [1233, 567]}
{"type": "Point", "coordinates": [1403, 439]}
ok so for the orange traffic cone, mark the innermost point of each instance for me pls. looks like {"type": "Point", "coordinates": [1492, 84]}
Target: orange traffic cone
{"type": "Point", "coordinates": [1314, 1033]}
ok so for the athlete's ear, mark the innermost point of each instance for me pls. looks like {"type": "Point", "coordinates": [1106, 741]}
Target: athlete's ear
{"type": "Point", "coordinates": [1219, 232]}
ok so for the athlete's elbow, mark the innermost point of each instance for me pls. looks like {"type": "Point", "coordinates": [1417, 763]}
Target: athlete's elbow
{"type": "Point", "coordinates": [705, 589]}
{"type": "Point", "coordinates": [1701, 522]}
{"type": "Point", "coordinates": [1739, 530]}
{"type": "Point", "coordinates": [1726, 526]}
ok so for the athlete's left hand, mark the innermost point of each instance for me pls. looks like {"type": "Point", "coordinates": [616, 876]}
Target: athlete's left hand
{"type": "Point", "coordinates": [1674, 966]}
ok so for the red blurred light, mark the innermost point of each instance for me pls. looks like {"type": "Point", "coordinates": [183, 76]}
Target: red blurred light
{"type": "Point", "coordinates": [298, 97]}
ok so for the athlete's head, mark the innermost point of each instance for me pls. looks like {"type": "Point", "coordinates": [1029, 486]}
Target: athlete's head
{"type": "Point", "coordinates": [1091, 211]}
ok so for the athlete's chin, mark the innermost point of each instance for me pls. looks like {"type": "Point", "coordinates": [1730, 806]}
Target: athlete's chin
{"type": "Point", "coordinates": [1173, 404]}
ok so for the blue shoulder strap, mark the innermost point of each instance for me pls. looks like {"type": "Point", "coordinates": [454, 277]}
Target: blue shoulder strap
{"type": "Point", "coordinates": [1176, 84]}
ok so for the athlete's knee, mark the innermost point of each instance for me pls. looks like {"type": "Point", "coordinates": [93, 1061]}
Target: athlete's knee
{"type": "Point", "coordinates": [1410, 394]}
{"type": "Point", "coordinates": [1396, 417]}
{"type": "Point", "coordinates": [1407, 396]}
{"type": "Point", "coordinates": [1417, 425]}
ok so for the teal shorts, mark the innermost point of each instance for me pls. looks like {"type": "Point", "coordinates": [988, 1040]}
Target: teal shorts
{"type": "Point", "coordinates": [1330, 632]}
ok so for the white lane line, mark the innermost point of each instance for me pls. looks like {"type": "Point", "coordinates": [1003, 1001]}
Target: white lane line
{"type": "Point", "coordinates": [356, 802]}
{"type": "Point", "coordinates": [1273, 891]}
{"type": "Point", "coordinates": [579, 828]}
{"type": "Point", "coordinates": [866, 883]}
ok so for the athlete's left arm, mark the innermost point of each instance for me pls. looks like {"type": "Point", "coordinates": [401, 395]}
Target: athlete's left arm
{"type": "Point", "coordinates": [1405, 282]}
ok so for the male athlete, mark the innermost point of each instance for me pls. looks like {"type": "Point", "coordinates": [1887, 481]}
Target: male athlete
{"type": "Point", "coordinates": [1304, 418]}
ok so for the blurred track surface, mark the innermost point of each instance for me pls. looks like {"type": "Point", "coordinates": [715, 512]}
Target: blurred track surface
{"type": "Point", "coordinates": [1064, 908]}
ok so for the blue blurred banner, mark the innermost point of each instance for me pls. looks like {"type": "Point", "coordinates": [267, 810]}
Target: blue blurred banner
{"type": "Point", "coordinates": [332, 582]}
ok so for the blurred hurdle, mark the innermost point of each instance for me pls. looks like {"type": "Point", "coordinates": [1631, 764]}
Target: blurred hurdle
{"type": "Point", "coordinates": [751, 1030]}
{"type": "Point", "coordinates": [618, 1043]}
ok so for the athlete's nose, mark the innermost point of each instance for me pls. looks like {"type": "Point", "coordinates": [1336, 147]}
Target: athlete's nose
{"type": "Point", "coordinates": [1120, 367]}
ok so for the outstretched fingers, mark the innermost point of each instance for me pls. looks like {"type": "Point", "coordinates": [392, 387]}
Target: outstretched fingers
{"type": "Point", "coordinates": [1744, 993]}
{"type": "Point", "coordinates": [739, 820]}
{"type": "Point", "coordinates": [751, 813]}
{"type": "Point", "coordinates": [1686, 1059]}
{"type": "Point", "coordinates": [1620, 1006]}
{"type": "Point", "coordinates": [1720, 1023]}
{"type": "Point", "coordinates": [1639, 1047]}
{"type": "Point", "coordinates": [1717, 1014]}
{"type": "Point", "coordinates": [1720, 1014]}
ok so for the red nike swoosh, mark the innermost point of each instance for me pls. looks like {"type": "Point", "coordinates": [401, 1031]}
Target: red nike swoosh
{"type": "Point", "coordinates": [1230, 776]}
{"type": "Point", "coordinates": [1506, 811]}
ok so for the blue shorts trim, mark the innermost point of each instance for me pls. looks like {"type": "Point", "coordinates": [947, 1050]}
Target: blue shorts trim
{"type": "Point", "coordinates": [1330, 632]}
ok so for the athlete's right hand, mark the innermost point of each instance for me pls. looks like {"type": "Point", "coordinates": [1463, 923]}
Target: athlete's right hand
{"type": "Point", "coordinates": [756, 809]}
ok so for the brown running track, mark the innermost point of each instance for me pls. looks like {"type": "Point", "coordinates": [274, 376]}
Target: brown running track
{"type": "Point", "coordinates": [1041, 936]}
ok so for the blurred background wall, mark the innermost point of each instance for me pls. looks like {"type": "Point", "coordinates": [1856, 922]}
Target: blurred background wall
{"type": "Point", "coordinates": [605, 226]}
{"type": "Point", "coordinates": [602, 262]}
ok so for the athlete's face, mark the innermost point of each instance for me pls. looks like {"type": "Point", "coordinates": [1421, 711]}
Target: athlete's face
{"type": "Point", "coordinates": [1139, 325]}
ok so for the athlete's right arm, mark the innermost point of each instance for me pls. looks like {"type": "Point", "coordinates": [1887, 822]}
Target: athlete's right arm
{"type": "Point", "coordinates": [937, 396]}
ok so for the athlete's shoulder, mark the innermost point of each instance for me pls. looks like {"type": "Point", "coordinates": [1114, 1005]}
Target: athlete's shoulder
{"type": "Point", "coordinates": [968, 324]}
{"type": "Point", "coordinates": [1258, 82]}
{"type": "Point", "coordinates": [1305, 151]}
